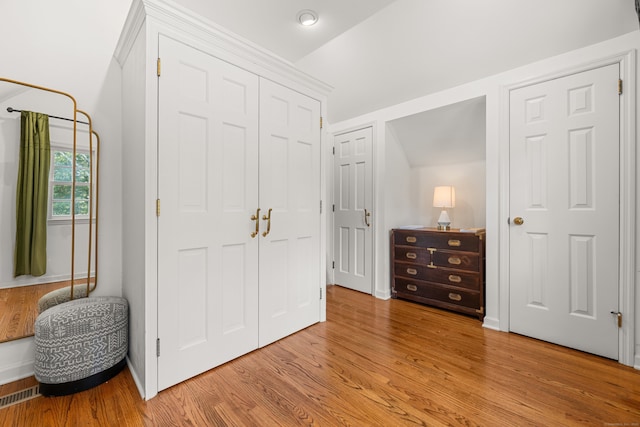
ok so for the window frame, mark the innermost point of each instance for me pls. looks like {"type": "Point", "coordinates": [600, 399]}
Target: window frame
{"type": "Point", "coordinates": [79, 218]}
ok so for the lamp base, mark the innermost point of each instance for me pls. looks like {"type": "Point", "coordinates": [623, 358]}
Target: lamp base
{"type": "Point", "coordinates": [444, 221]}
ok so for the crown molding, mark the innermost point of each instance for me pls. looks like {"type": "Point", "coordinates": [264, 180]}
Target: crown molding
{"type": "Point", "coordinates": [171, 15]}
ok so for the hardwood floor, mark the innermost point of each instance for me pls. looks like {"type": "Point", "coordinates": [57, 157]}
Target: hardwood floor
{"type": "Point", "coordinates": [373, 363]}
{"type": "Point", "coordinates": [19, 309]}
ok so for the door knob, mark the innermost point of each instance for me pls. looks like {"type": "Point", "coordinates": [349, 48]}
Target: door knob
{"type": "Point", "coordinates": [268, 219]}
{"type": "Point", "coordinates": [256, 218]}
{"type": "Point", "coordinates": [518, 220]}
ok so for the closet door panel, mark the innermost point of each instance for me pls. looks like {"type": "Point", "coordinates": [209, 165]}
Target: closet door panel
{"type": "Point", "coordinates": [290, 187]}
{"type": "Point", "coordinates": [208, 162]}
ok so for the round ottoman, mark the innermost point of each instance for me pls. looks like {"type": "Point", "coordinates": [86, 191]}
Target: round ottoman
{"type": "Point", "coordinates": [80, 344]}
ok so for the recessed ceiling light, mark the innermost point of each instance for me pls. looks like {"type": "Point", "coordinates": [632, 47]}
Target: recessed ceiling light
{"type": "Point", "coordinates": [307, 17]}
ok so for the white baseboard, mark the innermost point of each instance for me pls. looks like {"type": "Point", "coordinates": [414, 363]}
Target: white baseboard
{"type": "Point", "coordinates": [491, 323]}
{"type": "Point", "coordinates": [17, 360]}
{"type": "Point", "coordinates": [135, 377]}
{"type": "Point", "coordinates": [383, 295]}
{"type": "Point", "coordinates": [636, 364]}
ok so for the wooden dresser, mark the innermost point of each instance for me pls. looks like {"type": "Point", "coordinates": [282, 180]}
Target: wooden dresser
{"type": "Point", "coordinates": [440, 268]}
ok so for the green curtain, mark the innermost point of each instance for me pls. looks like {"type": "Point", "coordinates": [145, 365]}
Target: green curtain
{"type": "Point", "coordinates": [32, 195]}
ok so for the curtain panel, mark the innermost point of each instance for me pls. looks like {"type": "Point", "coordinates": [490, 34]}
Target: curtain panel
{"type": "Point", "coordinates": [30, 255]}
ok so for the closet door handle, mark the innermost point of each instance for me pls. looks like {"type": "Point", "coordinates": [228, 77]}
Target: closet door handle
{"type": "Point", "coordinates": [268, 219]}
{"type": "Point", "coordinates": [366, 217]}
{"type": "Point", "coordinates": [256, 218]}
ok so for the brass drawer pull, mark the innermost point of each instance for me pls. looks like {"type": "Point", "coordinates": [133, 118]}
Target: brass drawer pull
{"type": "Point", "coordinates": [411, 255]}
{"type": "Point", "coordinates": [455, 260]}
{"type": "Point", "coordinates": [412, 271]}
{"type": "Point", "coordinates": [453, 242]}
{"type": "Point", "coordinates": [411, 239]}
{"type": "Point", "coordinates": [455, 279]}
{"type": "Point", "coordinates": [412, 288]}
{"type": "Point", "coordinates": [455, 297]}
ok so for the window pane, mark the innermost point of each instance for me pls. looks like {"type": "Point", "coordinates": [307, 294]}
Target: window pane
{"type": "Point", "coordinates": [82, 208]}
{"type": "Point", "coordinates": [62, 174]}
{"type": "Point", "coordinates": [62, 192]}
{"type": "Point", "coordinates": [82, 160]}
{"type": "Point", "coordinates": [61, 208]}
{"type": "Point", "coordinates": [62, 158]}
{"type": "Point", "coordinates": [82, 175]}
{"type": "Point", "coordinates": [82, 192]}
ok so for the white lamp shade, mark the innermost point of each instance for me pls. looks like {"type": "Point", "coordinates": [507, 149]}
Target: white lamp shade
{"type": "Point", "coordinates": [444, 197]}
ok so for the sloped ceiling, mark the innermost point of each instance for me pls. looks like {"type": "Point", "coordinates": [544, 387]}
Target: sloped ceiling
{"type": "Point", "coordinates": [378, 53]}
{"type": "Point", "coordinates": [272, 24]}
{"type": "Point", "coordinates": [413, 48]}
{"type": "Point", "coordinates": [449, 135]}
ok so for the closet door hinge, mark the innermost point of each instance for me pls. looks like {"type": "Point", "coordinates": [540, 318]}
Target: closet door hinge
{"type": "Point", "coordinates": [320, 293]}
{"type": "Point", "coordinates": [619, 86]}
{"type": "Point", "coordinates": [334, 151]}
{"type": "Point", "coordinates": [159, 67]}
{"type": "Point", "coordinates": [158, 347]}
{"type": "Point", "coordinates": [157, 207]}
{"type": "Point", "coordinates": [333, 264]}
{"type": "Point", "coordinates": [320, 122]}
{"type": "Point", "coordinates": [320, 206]}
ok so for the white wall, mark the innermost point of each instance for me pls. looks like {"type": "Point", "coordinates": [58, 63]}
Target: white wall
{"type": "Point", "coordinates": [468, 179]}
{"type": "Point", "coordinates": [493, 88]}
{"type": "Point", "coordinates": [393, 204]}
{"type": "Point", "coordinates": [65, 46]}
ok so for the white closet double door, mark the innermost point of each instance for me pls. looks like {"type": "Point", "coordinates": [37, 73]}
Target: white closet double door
{"type": "Point", "coordinates": [232, 278]}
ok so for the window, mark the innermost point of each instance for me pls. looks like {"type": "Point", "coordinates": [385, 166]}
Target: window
{"type": "Point", "coordinates": [61, 182]}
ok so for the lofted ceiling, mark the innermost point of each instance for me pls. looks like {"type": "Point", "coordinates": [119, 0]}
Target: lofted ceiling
{"type": "Point", "coordinates": [453, 134]}
{"type": "Point", "coordinates": [272, 24]}
{"type": "Point", "coordinates": [378, 53]}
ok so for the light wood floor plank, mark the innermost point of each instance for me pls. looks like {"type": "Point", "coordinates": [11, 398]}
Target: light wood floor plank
{"type": "Point", "coordinates": [19, 308]}
{"type": "Point", "coordinates": [373, 363]}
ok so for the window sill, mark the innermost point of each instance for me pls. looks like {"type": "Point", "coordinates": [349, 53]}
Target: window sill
{"type": "Point", "coordinates": [67, 221]}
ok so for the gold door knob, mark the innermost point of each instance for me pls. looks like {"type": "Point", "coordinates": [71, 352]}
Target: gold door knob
{"type": "Point", "coordinates": [256, 218]}
{"type": "Point", "coordinates": [518, 220]}
{"type": "Point", "coordinates": [268, 219]}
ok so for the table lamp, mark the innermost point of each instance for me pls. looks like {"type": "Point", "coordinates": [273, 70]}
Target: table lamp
{"type": "Point", "coordinates": [444, 197]}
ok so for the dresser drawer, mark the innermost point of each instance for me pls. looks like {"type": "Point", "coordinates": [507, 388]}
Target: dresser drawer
{"type": "Point", "coordinates": [462, 279]}
{"type": "Point", "coordinates": [457, 260]}
{"type": "Point", "coordinates": [411, 271]}
{"type": "Point", "coordinates": [430, 291]}
{"type": "Point", "coordinates": [412, 254]}
{"type": "Point", "coordinates": [461, 242]}
{"type": "Point", "coordinates": [411, 238]}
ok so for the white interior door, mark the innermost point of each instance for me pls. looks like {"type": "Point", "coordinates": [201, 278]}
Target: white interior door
{"type": "Point", "coordinates": [290, 193]}
{"type": "Point", "coordinates": [353, 226]}
{"type": "Point", "coordinates": [564, 180]}
{"type": "Point", "coordinates": [208, 162]}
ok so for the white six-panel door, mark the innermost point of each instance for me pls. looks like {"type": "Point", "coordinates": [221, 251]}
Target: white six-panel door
{"type": "Point", "coordinates": [208, 174]}
{"type": "Point", "coordinates": [564, 210]}
{"type": "Point", "coordinates": [353, 221]}
{"type": "Point", "coordinates": [290, 188]}
{"type": "Point", "coordinates": [223, 288]}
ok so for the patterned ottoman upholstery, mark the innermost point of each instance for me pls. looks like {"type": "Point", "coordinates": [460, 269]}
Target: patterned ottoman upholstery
{"type": "Point", "coordinates": [80, 344]}
{"type": "Point", "coordinates": [61, 295]}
